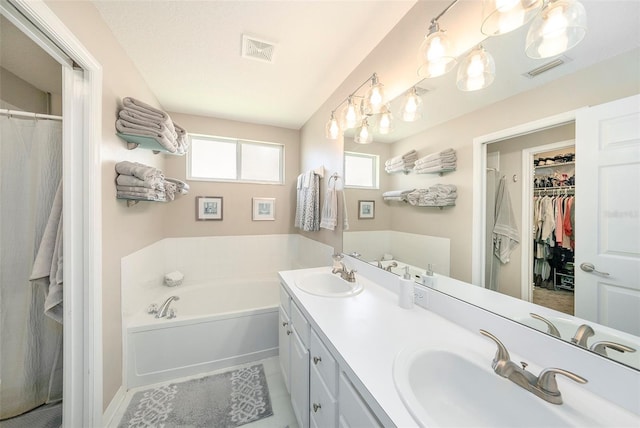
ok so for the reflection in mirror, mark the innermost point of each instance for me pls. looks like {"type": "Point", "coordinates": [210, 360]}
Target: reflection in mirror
{"type": "Point", "coordinates": [393, 236]}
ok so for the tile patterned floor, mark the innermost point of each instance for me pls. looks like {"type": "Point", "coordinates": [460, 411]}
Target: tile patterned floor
{"type": "Point", "coordinates": [282, 417]}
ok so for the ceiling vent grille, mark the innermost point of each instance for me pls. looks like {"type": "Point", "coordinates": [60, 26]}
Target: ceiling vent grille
{"type": "Point", "coordinates": [546, 67]}
{"type": "Point", "coordinates": [257, 49]}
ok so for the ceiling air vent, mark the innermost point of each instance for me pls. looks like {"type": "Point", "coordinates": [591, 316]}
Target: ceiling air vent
{"type": "Point", "coordinates": [254, 48]}
{"type": "Point", "coordinates": [546, 67]}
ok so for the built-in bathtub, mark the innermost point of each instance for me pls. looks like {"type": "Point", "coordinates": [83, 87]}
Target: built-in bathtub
{"type": "Point", "coordinates": [219, 324]}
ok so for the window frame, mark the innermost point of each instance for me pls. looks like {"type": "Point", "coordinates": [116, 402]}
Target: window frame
{"type": "Point", "coordinates": [375, 170]}
{"type": "Point", "coordinates": [239, 142]}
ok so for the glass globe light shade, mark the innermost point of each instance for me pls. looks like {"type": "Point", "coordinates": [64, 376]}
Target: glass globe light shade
{"type": "Point", "coordinates": [561, 25]}
{"type": "Point", "coordinates": [503, 16]}
{"type": "Point", "coordinates": [411, 109]}
{"type": "Point", "coordinates": [332, 129]}
{"type": "Point", "coordinates": [435, 54]}
{"type": "Point", "coordinates": [476, 71]}
{"type": "Point", "coordinates": [374, 98]}
{"type": "Point", "coordinates": [363, 134]}
{"type": "Point", "coordinates": [350, 115]}
{"type": "Point", "coordinates": [385, 121]}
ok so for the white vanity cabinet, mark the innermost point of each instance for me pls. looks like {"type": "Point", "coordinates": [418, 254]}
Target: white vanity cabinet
{"type": "Point", "coordinates": [322, 396]}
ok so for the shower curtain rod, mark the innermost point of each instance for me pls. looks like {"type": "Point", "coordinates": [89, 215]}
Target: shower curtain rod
{"type": "Point", "coordinates": [28, 114]}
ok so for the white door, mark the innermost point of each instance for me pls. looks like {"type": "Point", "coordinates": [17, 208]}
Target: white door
{"type": "Point", "coordinates": [607, 257]}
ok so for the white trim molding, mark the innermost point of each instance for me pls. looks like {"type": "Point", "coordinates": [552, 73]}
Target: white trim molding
{"type": "Point", "coordinates": [82, 130]}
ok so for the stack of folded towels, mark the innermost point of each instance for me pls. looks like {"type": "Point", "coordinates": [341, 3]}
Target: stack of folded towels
{"type": "Point", "coordinates": [436, 162]}
{"type": "Point", "coordinates": [143, 182]}
{"type": "Point", "coordinates": [138, 118]}
{"type": "Point", "coordinates": [397, 195]}
{"type": "Point", "coordinates": [401, 163]}
{"type": "Point", "coordinates": [439, 195]}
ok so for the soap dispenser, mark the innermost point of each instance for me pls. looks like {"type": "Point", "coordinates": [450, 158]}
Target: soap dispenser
{"type": "Point", "coordinates": [405, 296]}
{"type": "Point", "coordinates": [428, 278]}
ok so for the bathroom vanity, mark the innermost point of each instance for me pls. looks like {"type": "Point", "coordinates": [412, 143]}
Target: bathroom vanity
{"type": "Point", "coordinates": [360, 360]}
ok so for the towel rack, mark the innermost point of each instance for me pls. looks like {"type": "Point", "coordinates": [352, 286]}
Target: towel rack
{"type": "Point", "coordinates": [334, 176]}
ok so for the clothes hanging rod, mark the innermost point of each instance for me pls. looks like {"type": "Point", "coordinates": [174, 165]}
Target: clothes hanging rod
{"type": "Point", "coordinates": [28, 114]}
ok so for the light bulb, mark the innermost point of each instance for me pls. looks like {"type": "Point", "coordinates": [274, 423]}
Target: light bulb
{"type": "Point", "coordinates": [503, 16]}
{"type": "Point", "coordinates": [561, 25]}
{"type": "Point", "coordinates": [477, 70]}
{"type": "Point", "coordinates": [554, 34]}
{"type": "Point", "coordinates": [435, 55]}
{"type": "Point", "coordinates": [363, 135]}
{"type": "Point", "coordinates": [332, 129]}
{"type": "Point", "coordinates": [385, 122]}
{"type": "Point", "coordinates": [350, 114]}
{"type": "Point", "coordinates": [411, 107]}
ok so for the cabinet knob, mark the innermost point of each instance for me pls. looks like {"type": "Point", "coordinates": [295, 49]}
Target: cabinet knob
{"type": "Point", "coordinates": [284, 323]}
{"type": "Point", "coordinates": [288, 332]}
{"type": "Point", "coordinates": [316, 360]}
{"type": "Point", "coordinates": [316, 407]}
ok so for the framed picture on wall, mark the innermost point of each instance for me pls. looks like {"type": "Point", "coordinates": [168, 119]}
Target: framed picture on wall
{"type": "Point", "coordinates": [366, 209]}
{"type": "Point", "coordinates": [208, 207]}
{"type": "Point", "coordinates": [264, 209]}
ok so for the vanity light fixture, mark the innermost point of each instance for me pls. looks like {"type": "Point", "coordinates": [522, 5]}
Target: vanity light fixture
{"type": "Point", "coordinates": [476, 71]}
{"type": "Point", "coordinates": [373, 102]}
{"type": "Point", "coordinates": [435, 55]}
{"type": "Point", "coordinates": [411, 109]}
{"type": "Point", "coordinates": [363, 133]}
{"type": "Point", "coordinates": [561, 25]}
{"type": "Point", "coordinates": [503, 16]}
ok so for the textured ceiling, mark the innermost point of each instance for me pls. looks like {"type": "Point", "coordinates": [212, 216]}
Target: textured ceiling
{"type": "Point", "coordinates": [189, 52]}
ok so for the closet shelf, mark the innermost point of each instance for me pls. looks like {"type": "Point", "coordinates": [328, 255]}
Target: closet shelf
{"type": "Point", "coordinates": [150, 143]}
{"type": "Point", "coordinates": [554, 165]}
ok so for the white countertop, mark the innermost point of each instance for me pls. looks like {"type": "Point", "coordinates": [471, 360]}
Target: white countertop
{"type": "Point", "coordinates": [369, 329]}
{"type": "Point", "coordinates": [365, 332]}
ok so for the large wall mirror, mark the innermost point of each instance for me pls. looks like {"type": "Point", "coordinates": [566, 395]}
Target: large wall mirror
{"type": "Point", "coordinates": [538, 159]}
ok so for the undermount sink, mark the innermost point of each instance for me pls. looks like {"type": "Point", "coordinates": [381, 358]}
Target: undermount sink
{"type": "Point", "coordinates": [328, 285]}
{"type": "Point", "coordinates": [445, 388]}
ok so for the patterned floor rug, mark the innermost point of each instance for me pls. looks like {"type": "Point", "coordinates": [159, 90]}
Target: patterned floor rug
{"type": "Point", "coordinates": [225, 400]}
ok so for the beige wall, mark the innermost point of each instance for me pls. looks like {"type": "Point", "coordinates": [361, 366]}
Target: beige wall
{"type": "Point", "coordinates": [21, 94]}
{"type": "Point", "coordinates": [124, 230]}
{"type": "Point", "coordinates": [382, 219]}
{"type": "Point", "coordinates": [179, 217]}
{"type": "Point", "coordinates": [510, 152]}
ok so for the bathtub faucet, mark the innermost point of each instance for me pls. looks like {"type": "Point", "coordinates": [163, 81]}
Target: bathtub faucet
{"type": "Point", "coordinates": [164, 310]}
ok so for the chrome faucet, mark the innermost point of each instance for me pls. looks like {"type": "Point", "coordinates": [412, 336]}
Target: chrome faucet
{"type": "Point", "coordinates": [391, 265]}
{"type": "Point", "coordinates": [164, 310]}
{"type": "Point", "coordinates": [543, 386]}
{"type": "Point", "coordinates": [583, 333]}
{"type": "Point", "coordinates": [340, 268]}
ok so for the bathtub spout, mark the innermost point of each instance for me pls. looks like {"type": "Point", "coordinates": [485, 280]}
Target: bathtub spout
{"type": "Point", "coordinates": [164, 308]}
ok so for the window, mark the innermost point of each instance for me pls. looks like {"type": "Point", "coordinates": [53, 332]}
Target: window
{"type": "Point", "coordinates": [225, 159]}
{"type": "Point", "coordinates": [361, 170]}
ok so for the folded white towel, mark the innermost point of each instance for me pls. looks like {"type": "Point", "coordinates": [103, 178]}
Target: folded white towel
{"type": "Point", "coordinates": [138, 170]}
{"type": "Point", "coordinates": [181, 186]}
{"type": "Point", "coordinates": [162, 136]}
{"type": "Point", "coordinates": [129, 180]}
{"type": "Point", "coordinates": [397, 192]}
{"type": "Point", "coordinates": [137, 105]}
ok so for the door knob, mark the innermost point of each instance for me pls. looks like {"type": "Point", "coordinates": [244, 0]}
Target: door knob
{"type": "Point", "coordinates": [588, 267]}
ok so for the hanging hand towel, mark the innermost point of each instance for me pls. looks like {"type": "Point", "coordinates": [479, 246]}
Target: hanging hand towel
{"type": "Point", "coordinates": [345, 215]}
{"type": "Point", "coordinates": [329, 218]}
{"type": "Point", "coordinates": [47, 266]}
{"type": "Point", "coordinates": [505, 232]}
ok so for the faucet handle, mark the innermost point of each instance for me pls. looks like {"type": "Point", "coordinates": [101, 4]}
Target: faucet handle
{"type": "Point", "coordinates": [152, 309]}
{"type": "Point", "coordinates": [502, 355]}
{"type": "Point", "coordinates": [547, 381]}
{"type": "Point", "coordinates": [337, 257]}
{"type": "Point", "coordinates": [601, 347]}
{"type": "Point", "coordinates": [551, 329]}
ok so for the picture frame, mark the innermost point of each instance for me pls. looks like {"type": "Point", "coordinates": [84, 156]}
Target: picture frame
{"type": "Point", "coordinates": [366, 210]}
{"type": "Point", "coordinates": [208, 208]}
{"type": "Point", "coordinates": [264, 209]}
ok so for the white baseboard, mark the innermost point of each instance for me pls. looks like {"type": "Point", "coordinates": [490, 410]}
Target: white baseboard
{"type": "Point", "coordinates": [113, 407]}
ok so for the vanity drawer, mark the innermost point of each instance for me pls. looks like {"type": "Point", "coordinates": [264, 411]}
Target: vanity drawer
{"type": "Point", "coordinates": [322, 404]}
{"type": "Point", "coordinates": [324, 362]}
{"type": "Point", "coordinates": [285, 300]}
{"type": "Point", "coordinates": [300, 324]}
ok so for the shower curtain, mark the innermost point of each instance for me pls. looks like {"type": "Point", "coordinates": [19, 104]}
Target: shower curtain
{"type": "Point", "coordinates": [30, 342]}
